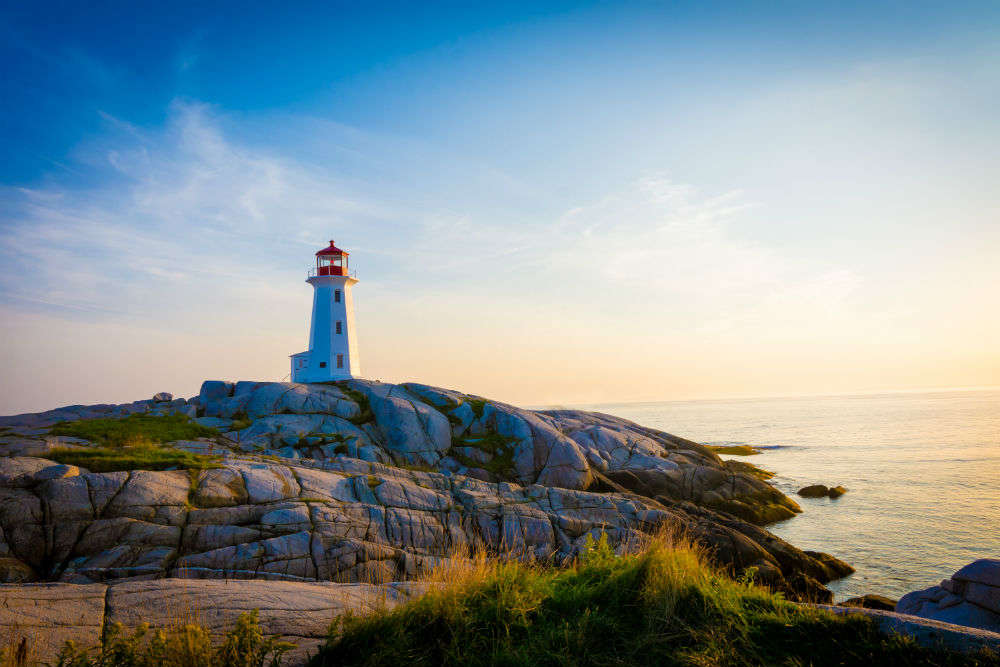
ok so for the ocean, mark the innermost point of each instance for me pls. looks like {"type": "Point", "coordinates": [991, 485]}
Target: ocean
{"type": "Point", "coordinates": [922, 472]}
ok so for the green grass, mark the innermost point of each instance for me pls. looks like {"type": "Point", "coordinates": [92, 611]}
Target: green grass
{"type": "Point", "coordinates": [134, 428]}
{"type": "Point", "coordinates": [189, 645]}
{"type": "Point", "coordinates": [132, 443]}
{"type": "Point", "coordinates": [132, 457]}
{"type": "Point", "coordinates": [663, 607]}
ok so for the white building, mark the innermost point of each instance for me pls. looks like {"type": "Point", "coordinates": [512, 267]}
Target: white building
{"type": "Point", "coordinates": [333, 340]}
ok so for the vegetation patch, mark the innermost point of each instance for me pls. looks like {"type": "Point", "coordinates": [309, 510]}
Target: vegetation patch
{"type": "Point", "coordinates": [184, 646]}
{"type": "Point", "coordinates": [134, 429]}
{"type": "Point", "coordinates": [366, 415]}
{"type": "Point", "coordinates": [734, 450]}
{"type": "Point", "coordinates": [663, 607]}
{"type": "Point", "coordinates": [142, 456]}
{"type": "Point", "coordinates": [373, 482]}
{"type": "Point", "coordinates": [477, 405]}
{"type": "Point", "coordinates": [499, 448]}
{"type": "Point", "coordinates": [241, 420]}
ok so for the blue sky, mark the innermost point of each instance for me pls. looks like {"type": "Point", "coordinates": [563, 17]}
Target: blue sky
{"type": "Point", "coordinates": [620, 200]}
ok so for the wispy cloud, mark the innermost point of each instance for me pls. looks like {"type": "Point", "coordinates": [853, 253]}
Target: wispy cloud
{"type": "Point", "coordinates": [188, 209]}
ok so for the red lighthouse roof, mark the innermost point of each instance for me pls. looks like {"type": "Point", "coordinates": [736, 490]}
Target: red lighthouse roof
{"type": "Point", "coordinates": [332, 250]}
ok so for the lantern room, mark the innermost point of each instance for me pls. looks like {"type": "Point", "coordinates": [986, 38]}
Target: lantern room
{"type": "Point", "coordinates": [331, 261]}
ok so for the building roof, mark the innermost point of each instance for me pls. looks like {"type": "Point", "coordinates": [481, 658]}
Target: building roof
{"type": "Point", "coordinates": [332, 250]}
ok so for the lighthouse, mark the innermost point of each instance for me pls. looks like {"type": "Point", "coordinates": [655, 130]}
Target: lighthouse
{"type": "Point", "coordinates": [333, 340]}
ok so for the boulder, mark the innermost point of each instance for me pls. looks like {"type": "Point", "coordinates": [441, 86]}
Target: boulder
{"type": "Point", "coordinates": [814, 491]}
{"type": "Point", "coordinates": [163, 397]}
{"type": "Point", "coordinates": [836, 492]}
{"type": "Point", "coordinates": [970, 597]}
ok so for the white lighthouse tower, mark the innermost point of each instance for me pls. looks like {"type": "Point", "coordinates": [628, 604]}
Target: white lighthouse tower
{"type": "Point", "coordinates": [333, 340]}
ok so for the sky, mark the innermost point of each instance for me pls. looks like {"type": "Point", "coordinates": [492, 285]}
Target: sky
{"type": "Point", "coordinates": [546, 203]}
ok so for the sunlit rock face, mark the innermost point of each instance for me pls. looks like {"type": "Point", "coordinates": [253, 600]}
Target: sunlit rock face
{"type": "Point", "coordinates": [369, 482]}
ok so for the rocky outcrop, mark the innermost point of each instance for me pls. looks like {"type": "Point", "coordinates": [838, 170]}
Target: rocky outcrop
{"type": "Point", "coordinates": [417, 425]}
{"type": "Point", "coordinates": [970, 597]}
{"type": "Point", "coordinates": [821, 491]}
{"type": "Point", "coordinates": [364, 481]}
{"type": "Point", "coordinates": [345, 520]}
{"type": "Point", "coordinates": [49, 615]}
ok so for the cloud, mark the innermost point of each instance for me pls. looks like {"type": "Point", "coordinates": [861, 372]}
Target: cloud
{"type": "Point", "coordinates": [185, 218]}
{"type": "Point", "coordinates": [198, 230]}
{"type": "Point", "coordinates": [182, 207]}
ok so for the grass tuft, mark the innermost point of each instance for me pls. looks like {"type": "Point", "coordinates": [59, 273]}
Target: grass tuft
{"type": "Point", "coordinates": [663, 607]}
{"type": "Point", "coordinates": [245, 645]}
{"type": "Point", "coordinates": [134, 428]}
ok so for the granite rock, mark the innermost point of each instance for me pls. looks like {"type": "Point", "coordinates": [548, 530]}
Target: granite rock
{"type": "Point", "coordinates": [970, 597]}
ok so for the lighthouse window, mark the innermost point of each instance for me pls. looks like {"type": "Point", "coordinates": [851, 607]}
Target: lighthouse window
{"type": "Point", "coordinates": [339, 328]}
{"type": "Point", "coordinates": [340, 361]}
{"type": "Point", "coordinates": [322, 364]}
{"type": "Point", "coordinates": [336, 297]}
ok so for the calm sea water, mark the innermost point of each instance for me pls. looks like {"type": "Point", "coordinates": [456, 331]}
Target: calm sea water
{"type": "Point", "coordinates": [922, 469]}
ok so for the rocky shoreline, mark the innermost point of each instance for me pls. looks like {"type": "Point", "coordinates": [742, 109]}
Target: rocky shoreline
{"type": "Point", "coordinates": [362, 483]}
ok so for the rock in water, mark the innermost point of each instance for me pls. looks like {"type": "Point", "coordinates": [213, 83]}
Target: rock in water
{"type": "Point", "coordinates": [814, 491]}
{"type": "Point", "coordinates": [971, 597]}
{"type": "Point", "coordinates": [836, 492]}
